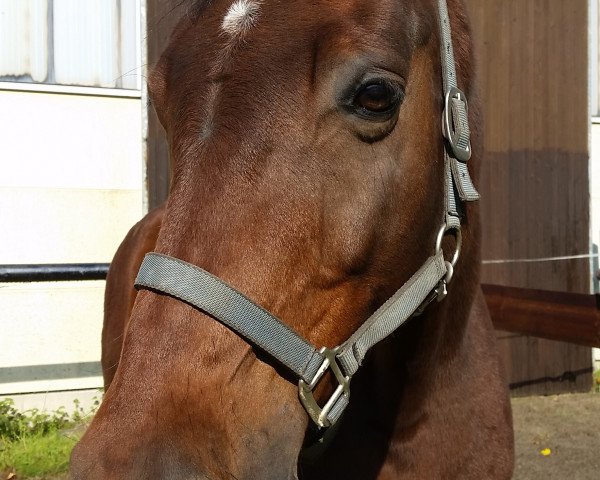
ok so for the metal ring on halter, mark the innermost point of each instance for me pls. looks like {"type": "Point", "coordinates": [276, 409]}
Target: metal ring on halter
{"type": "Point", "coordinates": [457, 235]}
{"type": "Point", "coordinates": [449, 272]}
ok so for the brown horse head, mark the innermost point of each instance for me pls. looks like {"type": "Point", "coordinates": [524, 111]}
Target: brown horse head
{"type": "Point", "coordinates": [307, 156]}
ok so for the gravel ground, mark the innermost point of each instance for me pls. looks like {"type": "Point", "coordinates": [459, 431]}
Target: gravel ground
{"type": "Point", "coordinates": [557, 437]}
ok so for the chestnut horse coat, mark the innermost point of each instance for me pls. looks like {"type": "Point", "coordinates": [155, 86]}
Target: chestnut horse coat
{"type": "Point", "coordinates": [307, 173]}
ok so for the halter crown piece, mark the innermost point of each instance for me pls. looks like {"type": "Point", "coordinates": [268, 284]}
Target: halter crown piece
{"type": "Point", "coordinates": [193, 285]}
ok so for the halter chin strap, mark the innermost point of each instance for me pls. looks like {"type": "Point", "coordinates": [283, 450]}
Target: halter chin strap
{"type": "Point", "coordinates": [259, 327]}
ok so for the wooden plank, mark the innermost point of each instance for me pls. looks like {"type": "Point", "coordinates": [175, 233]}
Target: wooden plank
{"type": "Point", "coordinates": [568, 317]}
{"type": "Point", "coordinates": [536, 369]}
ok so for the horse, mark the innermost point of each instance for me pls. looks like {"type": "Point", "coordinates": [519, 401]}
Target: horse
{"type": "Point", "coordinates": [309, 180]}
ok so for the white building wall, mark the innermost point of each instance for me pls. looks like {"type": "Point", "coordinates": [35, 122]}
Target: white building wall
{"type": "Point", "coordinates": [595, 201]}
{"type": "Point", "coordinates": [24, 33]}
{"type": "Point", "coordinates": [595, 214]}
{"type": "Point", "coordinates": [594, 170]}
{"type": "Point", "coordinates": [71, 182]}
{"type": "Point", "coordinates": [71, 187]}
{"type": "Point", "coordinates": [71, 175]}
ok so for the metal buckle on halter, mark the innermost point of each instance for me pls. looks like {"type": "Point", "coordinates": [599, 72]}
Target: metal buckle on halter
{"type": "Point", "coordinates": [452, 131]}
{"type": "Point", "coordinates": [319, 414]}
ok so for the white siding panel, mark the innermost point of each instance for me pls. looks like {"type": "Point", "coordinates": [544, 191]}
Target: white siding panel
{"type": "Point", "coordinates": [24, 39]}
{"type": "Point", "coordinates": [65, 225]}
{"type": "Point", "coordinates": [71, 182]}
{"type": "Point", "coordinates": [595, 198]}
{"type": "Point", "coordinates": [595, 215]}
{"type": "Point", "coordinates": [594, 58]}
{"type": "Point", "coordinates": [86, 42]}
{"type": "Point", "coordinates": [70, 141]}
{"type": "Point", "coordinates": [95, 43]}
{"type": "Point", "coordinates": [71, 179]}
{"type": "Point", "coordinates": [131, 70]}
{"type": "Point", "coordinates": [50, 324]}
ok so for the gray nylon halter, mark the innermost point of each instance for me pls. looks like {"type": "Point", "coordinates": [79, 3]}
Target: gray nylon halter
{"type": "Point", "coordinates": [208, 293]}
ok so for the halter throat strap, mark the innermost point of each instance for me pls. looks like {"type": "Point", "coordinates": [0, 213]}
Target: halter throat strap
{"type": "Point", "coordinates": [197, 287]}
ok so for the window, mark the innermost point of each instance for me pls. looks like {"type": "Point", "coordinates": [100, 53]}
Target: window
{"type": "Point", "coordinates": [94, 43]}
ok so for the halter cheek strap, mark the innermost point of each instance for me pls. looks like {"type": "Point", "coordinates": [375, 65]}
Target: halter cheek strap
{"type": "Point", "coordinates": [455, 129]}
{"type": "Point", "coordinates": [197, 287]}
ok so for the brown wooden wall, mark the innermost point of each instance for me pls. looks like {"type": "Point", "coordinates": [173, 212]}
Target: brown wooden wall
{"type": "Point", "coordinates": [161, 17]}
{"type": "Point", "coordinates": [533, 67]}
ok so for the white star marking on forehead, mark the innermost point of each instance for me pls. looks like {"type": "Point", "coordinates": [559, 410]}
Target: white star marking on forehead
{"type": "Point", "coordinates": [242, 16]}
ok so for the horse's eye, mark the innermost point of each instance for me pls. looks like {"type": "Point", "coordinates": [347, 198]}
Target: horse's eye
{"type": "Point", "coordinates": [377, 98]}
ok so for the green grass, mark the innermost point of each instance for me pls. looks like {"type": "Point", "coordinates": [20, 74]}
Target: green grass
{"type": "Point", "coordinates": [38, 454]}
{"type": "Point", "coordinates": [597, 381]}
{"type": "Point", "coordinates": [38, 444]}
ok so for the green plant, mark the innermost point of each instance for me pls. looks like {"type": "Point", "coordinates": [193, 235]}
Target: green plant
{"type": "Point", "coordinates": [35, 443]}
{"type": "Point", "coordinates": [597, 381]}
{"type": "Point", "coordinates": [15, 424]}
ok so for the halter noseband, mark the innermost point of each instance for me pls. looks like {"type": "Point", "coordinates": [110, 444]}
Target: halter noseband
{"type": "Point", "coordinates": [257, 326]}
